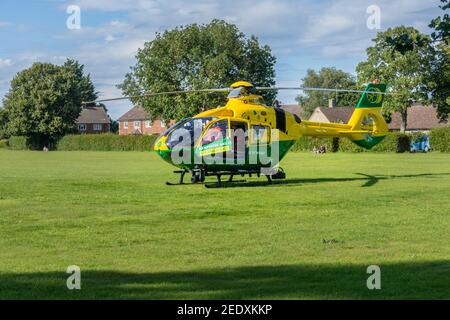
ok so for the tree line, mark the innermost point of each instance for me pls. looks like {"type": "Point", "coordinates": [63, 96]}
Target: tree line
{"type": "Point", "coordinates": [45, 100]}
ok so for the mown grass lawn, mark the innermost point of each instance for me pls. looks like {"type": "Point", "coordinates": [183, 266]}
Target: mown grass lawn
{"type": "Point", "coordinates": [312, 237]}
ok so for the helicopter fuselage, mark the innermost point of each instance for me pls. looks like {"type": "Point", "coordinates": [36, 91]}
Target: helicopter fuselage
{"type": "Point", "coordinates": [281, 130]}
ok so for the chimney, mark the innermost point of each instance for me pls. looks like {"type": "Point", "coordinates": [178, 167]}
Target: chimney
{"type": "Point", "coordinates": [331, 103]}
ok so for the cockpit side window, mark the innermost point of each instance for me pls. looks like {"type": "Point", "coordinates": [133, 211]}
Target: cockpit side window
{"type": "Point", "coordinates": [192, 127]}
{"type": "Point", "coordinates": [216, 132]}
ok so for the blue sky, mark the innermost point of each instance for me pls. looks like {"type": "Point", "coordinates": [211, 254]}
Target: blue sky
{"type": "Point", "coordinates": [303, 34]}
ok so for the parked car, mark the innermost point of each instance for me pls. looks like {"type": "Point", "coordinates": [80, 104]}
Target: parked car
{"type": "Point", "coordinates": [421, 144]}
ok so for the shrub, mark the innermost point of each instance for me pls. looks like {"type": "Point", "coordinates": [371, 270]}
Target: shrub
{"type": "Point", "coordinates": [106, 142]}
{"type": "Point", "coordinates": [440, 139]}
{"type": "Point", "coordinates": [18, 143]}
{"type": "Point", "coordinates": [308, 143]}
{"type": "Point", "coordinates": [3, 144]}
{"type": "Point", "coordinates": [394, 142]}
{"type": "Point", "coordinates": [346, 145]}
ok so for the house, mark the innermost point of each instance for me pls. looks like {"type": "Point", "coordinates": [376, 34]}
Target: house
{"type": "Point", "coordinates": [420, 117]}
{"type": "Point", "coordinates": [139, 121]}
{"type": "Point", "coordinates": [295, 109]}
{"type": "Point", "coordinates": [93, 120]}
{"type": "Point", "coordinates": [332, 113]}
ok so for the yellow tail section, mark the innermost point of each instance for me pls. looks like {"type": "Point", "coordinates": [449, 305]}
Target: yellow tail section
{"type": "Point", "coordinates": [366, 127]}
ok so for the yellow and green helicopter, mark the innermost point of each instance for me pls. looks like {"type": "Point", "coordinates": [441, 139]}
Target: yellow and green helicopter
{"type": "Point", "coordinates": [247, 137]}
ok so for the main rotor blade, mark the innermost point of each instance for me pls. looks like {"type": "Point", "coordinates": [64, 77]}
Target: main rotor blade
{"type": "Point", "coordinates": [159, 94]}
{"type": "Point", "coordinates": [318, 89]}
{"type": "Point", "coordinates": [230, 89]}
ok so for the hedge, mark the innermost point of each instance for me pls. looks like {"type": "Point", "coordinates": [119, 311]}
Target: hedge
{"type": "Point", "coordinates": [106, 142]}
{"type": "Point", "coordinates": [394, 142]}
{"type": "Point", "coordinates": [308, 143]}
{"type": "Point", "coordinates": [440, 139]}
{"type": "Point", "coordinates": [3, 144]}
{"type": "Point", "coordinates": [18, 143]}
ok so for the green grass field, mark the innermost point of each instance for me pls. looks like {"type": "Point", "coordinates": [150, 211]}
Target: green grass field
{"type": "Point", "coordinates": [310, 238]}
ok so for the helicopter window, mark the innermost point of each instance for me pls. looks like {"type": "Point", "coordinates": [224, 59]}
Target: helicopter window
{"type": "Point", "coordinates": [260, 134]}
{"type": "Point", "coordinates": [217, 132]}
{"type": "Point", "coordinates": [194, 126]}
{"type": "Point", "coordinates": [241, 92]}
{"type": "Point", "coordinates": [175, 126]}
{"type": "Point", "coordinates": [239, 131]}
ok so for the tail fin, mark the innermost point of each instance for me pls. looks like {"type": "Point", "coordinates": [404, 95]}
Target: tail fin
{"type": "Point", "coordinates": [367, 121]}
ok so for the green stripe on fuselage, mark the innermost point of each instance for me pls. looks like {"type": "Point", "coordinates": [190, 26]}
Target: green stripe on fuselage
{"type": "Point", "coordinates": [284, 147]}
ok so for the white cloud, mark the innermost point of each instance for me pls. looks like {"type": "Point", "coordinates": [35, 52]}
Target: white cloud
{"type": "Point", "coordinates": [5, 63]}
{"type": "Point", "coordinates": [111, 5]}
{"type": "Point", "coordinates": [5, 24]}
{"type": "Point", "coordinates": [110, 38]}
{"type": "Point", "coordinates": [302, 34]}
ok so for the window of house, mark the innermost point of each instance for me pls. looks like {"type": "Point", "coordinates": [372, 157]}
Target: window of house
{"type": "Point", "coordinates": [163, 124]}
{"type": "Point", "coordinates": [98, 127]}
{"type": "Point", "coordinates": [125, 124]}
{"type": "Point", "coordinates": [137, 124]}
{"type": "Point", "coordinates": [148, 124]}
{"type": "Point", "coordinates": [82, 127]}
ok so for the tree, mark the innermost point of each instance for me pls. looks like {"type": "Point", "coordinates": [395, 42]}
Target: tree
{"type": "Point", "coordinates": [402, 58]}
{"type": "Point", "coordinates": [439, 84]}
{"type": "Point", "coordinates": [85, 87]}
{"type": "Point", "coordinates": [113, 126]}
{"type": "Point", "coordinates": [442, 25]}
{"type": "Point", "coordinates": [197, 57]}
{"type": "Point", "coordinates": [3, 121]}
{"type": "Point", "coordinates": [44, 101]}
{"type": "Point", "coordinates": [327, 78]}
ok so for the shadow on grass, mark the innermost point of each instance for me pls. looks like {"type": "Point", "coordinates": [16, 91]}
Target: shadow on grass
{"type": "Point", "coordinates": [370, 180]}
{"type": "Point", "coordinates": [415, 280]}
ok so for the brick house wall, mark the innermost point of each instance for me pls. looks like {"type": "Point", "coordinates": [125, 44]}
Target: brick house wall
{"type": "Point", "coordinates": [105, 127]}
{"type": "Point", "coordinates": [93, 119]}
{"type": "Point", "coordinates": [142, 127]}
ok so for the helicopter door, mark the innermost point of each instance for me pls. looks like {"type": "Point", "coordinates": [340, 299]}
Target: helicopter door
{"type": "Point", "coordinates": [239, 134]}
{"type": "Point", "coordinates": [260, 141]}
{"type": "Point", "coordinates": [281, 119]}
{"type": "Point", "coordinates": [215, 140]}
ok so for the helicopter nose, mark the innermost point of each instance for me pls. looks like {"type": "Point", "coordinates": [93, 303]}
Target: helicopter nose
{"type": "Point", "coordinates": [162, 149]}
{"type": "Point", "coordinates": [160, 145]}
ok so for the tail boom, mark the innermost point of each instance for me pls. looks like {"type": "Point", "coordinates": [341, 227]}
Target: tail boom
{"type": "Point", "coordinates": [366, 127]}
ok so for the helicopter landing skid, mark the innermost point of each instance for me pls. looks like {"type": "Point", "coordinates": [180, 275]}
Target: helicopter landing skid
{"type": "Point", "coordinates": [198, 176]}
{"type": "Point", "coordinates": [279, 175]}
{"type": "Point", "coordinates": [181, 181]}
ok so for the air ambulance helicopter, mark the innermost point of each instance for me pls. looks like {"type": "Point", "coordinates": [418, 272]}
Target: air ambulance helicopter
{"type": "Point", "coordinates": [247, 137]}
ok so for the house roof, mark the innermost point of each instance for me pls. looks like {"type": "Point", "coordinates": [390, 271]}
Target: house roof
{"type": "Point", "coordinates": [420, 117]}
{"type": "Point", "coordinates": [136, 113]}
{"type": "Point", "coordinates": [337, 114]}
{"type": "Point", "coordinates": [293, 108]}
{"type": "Point", "coordinates": [93, 115]}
